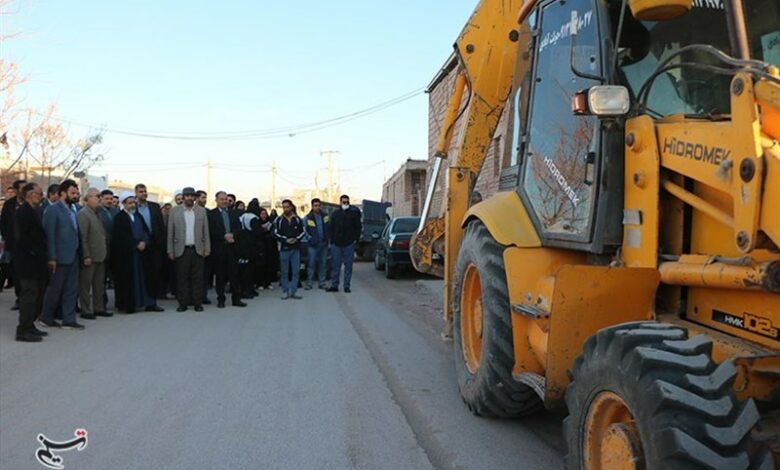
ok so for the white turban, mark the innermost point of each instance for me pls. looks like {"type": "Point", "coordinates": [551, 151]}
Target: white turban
{"type": "Point", "coordinates": [177, 193]}
{"type": "Point", "coordinates": [124, 195]}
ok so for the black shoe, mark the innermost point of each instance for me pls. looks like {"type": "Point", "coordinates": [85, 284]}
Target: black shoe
{"type": "Point", "coordinates": [181, 308]}
{"type": "Point", "coordinates": [296, 297]}
{"type": "Point", "coordinates": [220, 304]}
{"type": "Point", "coordinates": [238, 303]}
{"type": "Point", "coordinates": [155, 308]}
{"type": "Point", "coordinates": [15, 307]}
{"type": "Point", "coordinates": [88, 316]}
{"type": "Point", "coordinates": [206, 302]}
{"type": "Point", "coordinates": [347, 290]}
{"type": "Point", "coordinates": [72, 326]}
{"type": "Point", "coordinates": [38, 332]}
{"type": "Point", "coordinates": [49, 323]}
{"type": "Point", "coordinates": [29, 337]}
{"type": "Point", "coordinates": [104, 314]}
{"type": "Point", "coordinates": [199, 308]}
{"type": "Point", "coordinates": [332, 289]}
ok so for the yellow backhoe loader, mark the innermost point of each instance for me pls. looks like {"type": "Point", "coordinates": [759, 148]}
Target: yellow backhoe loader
{"type": "Point", "coordinates": [628, 269]}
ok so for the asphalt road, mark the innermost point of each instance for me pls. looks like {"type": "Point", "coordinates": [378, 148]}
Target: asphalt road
{"type": "Point", "coordinates": [359, 380]}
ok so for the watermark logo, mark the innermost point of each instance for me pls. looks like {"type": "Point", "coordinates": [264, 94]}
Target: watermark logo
{"type": "Point", "coordinates": [46, 455]}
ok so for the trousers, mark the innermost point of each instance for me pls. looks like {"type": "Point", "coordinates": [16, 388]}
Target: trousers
{"type": "Point", "coordinates": [318, 256]}
{"type": "Point", "coordinates": [63, 290]}
{"type": "Point", "coordinates": [290, 264]}
{"type": "Point", "coordinates": [30, 303]}
{"type": "Point", "coordinates": [189, 275]}
{"type": "Point", "coordinates": [342, 255]}
{"type": "Point", "coordinates": [92, 280]}
{"type": "Point", "coordinates": [225, 267]}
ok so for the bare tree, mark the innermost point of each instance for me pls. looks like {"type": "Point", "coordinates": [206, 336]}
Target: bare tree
{"type": "Point", "coordinates": [32, 138]}
{"type": "Point", "coordinates": [84, 154]}
{"type": "Point", "coordinates": [561, 194]}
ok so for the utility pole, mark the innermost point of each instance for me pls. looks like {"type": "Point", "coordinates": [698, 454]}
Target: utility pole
{"type": "Point", "coordinates": [273, 184]}
{"type": "Point", "coordinates": [208, 178]}
{"type": "Point", "coordinates": [330, 154]}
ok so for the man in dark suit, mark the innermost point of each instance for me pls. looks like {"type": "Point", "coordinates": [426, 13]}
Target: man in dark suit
{"type": "Point", "coordinates": [52, 196]}
{"type": "Point", "coordinates": [7, 220]}
{"type": "Point", "coordinates": [152, 217]}
{"type": "Point", "coordinates": [222, 223]}
{"type": "Point", "coordinates": [31, 268]}
{"type": "Point", "coordinates": [62, 237]}
{"type": "Point", "coordinates": [107, 212]}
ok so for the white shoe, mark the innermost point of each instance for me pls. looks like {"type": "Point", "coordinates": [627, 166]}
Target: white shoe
{"type": "Point", "coordinates": [261, 288]}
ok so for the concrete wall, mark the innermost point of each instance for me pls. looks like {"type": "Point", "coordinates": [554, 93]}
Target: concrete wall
{"type": "Point", "coordinates": [406, 188]}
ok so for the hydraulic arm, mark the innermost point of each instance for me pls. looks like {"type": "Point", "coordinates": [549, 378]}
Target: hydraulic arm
{"type": "Point", "coordinates": [487, 51]}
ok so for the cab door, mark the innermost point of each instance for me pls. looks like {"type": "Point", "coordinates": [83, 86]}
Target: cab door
{"type": "Point", "coordinates": [558, 179]}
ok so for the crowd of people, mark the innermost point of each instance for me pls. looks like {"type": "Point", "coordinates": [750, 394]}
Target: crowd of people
{"type": "Point", "coordinates": [63, 252]}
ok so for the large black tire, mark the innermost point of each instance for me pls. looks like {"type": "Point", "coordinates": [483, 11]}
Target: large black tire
{"type": "Point", "coordinates": [491, 391]}
{"type": "Point", "coordinates": [379, 265]}
{"type": "Point", "coordinates": [682, 402]}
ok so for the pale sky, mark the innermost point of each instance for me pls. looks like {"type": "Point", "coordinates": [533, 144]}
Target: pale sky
{"type": "Point", "coordinates": [200, 68]}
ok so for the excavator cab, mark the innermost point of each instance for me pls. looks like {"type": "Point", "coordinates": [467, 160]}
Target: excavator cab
{"type": "Point", "coordinates": [570, 166]}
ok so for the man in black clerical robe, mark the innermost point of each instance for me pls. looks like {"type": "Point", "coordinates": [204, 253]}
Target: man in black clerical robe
{"type": "Point", "coordinates": [129, 258]}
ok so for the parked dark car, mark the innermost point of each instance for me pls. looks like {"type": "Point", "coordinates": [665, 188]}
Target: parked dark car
{"type": "Point", "coordinates": [392, 248]}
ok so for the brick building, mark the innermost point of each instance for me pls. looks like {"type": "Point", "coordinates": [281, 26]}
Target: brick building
{"type": "Point", "coordinates": [499, 153]}
{"type": "Point", "coordinates": [406, 188]}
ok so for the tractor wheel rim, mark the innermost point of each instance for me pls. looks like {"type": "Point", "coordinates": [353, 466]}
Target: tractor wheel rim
{"type": "Point", "coordinates": [471, 318]}
{"type": "Point", "coordinates": [611, 436]}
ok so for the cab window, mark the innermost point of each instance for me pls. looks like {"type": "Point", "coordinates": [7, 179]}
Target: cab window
{"type": "Point", "coordinates": [561, 148]}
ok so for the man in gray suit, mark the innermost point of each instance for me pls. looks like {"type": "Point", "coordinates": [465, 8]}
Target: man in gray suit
{"type": "Point", "coordinates": [93, 250]}
{"type": "Point", "coordinates": [62, 237]}
{"type": "Point", "coordinates": [188, 245]}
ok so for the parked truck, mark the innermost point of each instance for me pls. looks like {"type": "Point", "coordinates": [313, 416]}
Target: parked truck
{"type": "Point", "coordinates": [374, 218]}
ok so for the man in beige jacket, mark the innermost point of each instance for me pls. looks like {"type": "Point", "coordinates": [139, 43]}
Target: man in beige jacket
{"type": "Point", "coordinates": [188, 245]}
{"type": "Point", "coordinates": [93, 246]}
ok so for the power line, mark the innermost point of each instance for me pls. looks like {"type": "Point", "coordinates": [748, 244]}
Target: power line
{"type": "Point", "coordinates": [269, 133]}
{"type": "Point", "coordinates": [105, 168]}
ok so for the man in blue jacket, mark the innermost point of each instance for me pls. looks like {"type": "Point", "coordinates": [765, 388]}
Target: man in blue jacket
{"type": "Point", "coordinates": [316, 225]}
{"type": "Point", "coordinates": [62, 237]}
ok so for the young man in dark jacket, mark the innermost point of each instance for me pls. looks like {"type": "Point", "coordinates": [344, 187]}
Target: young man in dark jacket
{"type": "Point", "coordinates": [345, 229]}
{"type": "Point", "coordinates": [316, 224]}
{"type": "Point", "coordinates": [288, 229]}
{"type": "Point", "coordinates": [31, 269]}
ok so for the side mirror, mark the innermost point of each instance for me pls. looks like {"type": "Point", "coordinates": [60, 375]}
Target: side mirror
{"type": "Point", "coordinates": [658, 10]}
{"type": "Point", "coordinates": [601, 100]}
{"type": "Point", "coordinates": [375, 236]}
